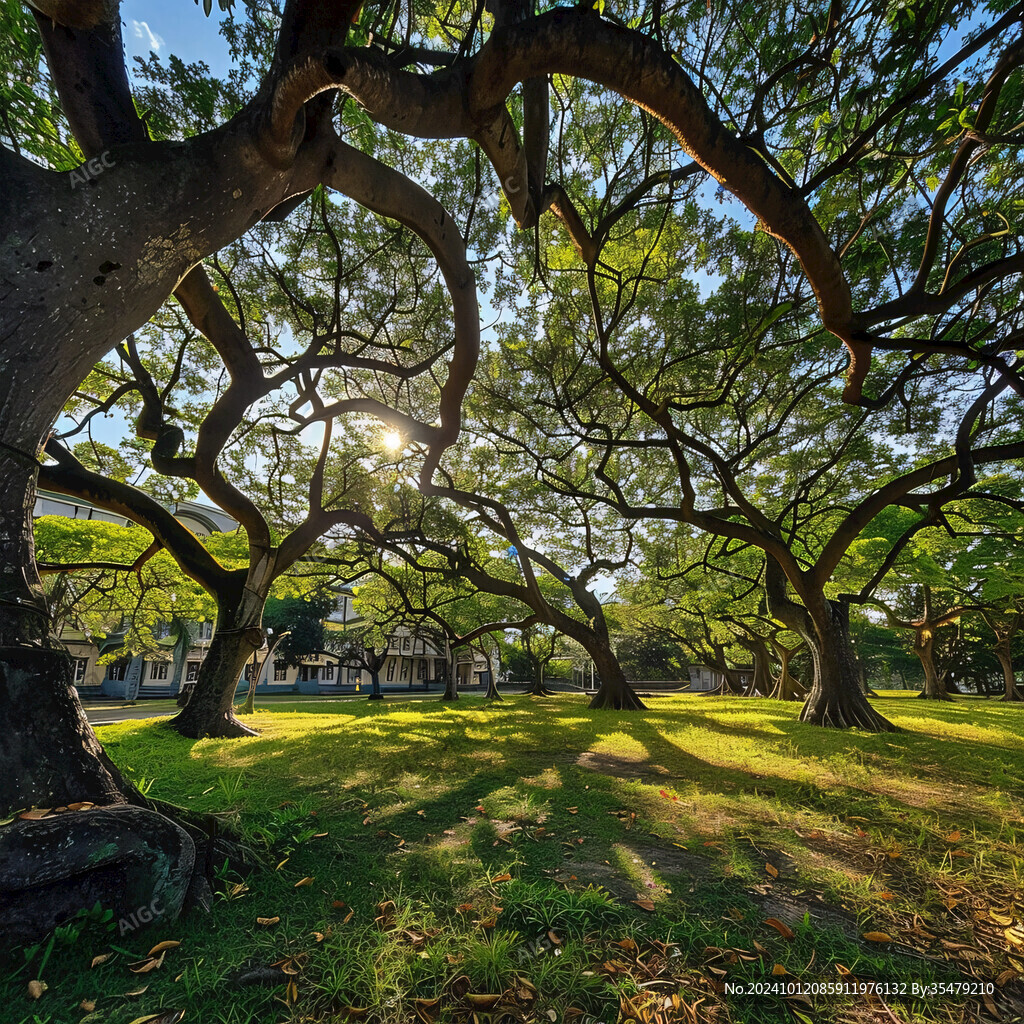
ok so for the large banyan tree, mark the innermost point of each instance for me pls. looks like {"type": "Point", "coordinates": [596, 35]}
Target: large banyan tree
{"type": "Point", "coordinates": [869, 139]}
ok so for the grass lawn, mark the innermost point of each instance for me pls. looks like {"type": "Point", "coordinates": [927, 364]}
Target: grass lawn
{"type": "Point", "coordinates": [531, 860]}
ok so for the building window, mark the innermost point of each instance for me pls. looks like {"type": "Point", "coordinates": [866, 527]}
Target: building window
{"type": "Point", "coordinates": [81, 664]}
{"type": "Point", "coordinates": [421, 670]}
{"type": "Point", "coordinates": [280, 671]}
{"type": "Point", "coordinates": [158, 670]}
{"type": "Point", "coordinates": [205, 630]}
{"type": "Point", "coordinates": [353, 676]}
{"type": "Point", "coordinates": [117, 672]}
{"type": "Point", "coordinates": [405, 668]}
{"type": "Point", "coordinates": [391, 670]}
{"type": "Point", "coordinates": [309, 673]}
{"type": "Point", "coordinates": [328, 672]}
{"type": "Point", "coordinates": [191, 671]}
{"type": "Point", "coordinates": [406, 643]}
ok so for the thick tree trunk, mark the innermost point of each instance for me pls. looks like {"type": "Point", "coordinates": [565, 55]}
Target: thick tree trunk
{"type": "Point", "coordinates": [1010, 691]}
{"type": "Point", "coordinates": [375, 691]}
{"type": "Point", "coordinates": [934, 684]}
{"type": "Point", "coordinates": [760, 679]}
{"type": "Point", "coordinates": [493, 663]}
{"type": "Point", "coordinates": [451, 679]}
{"type": "Point", "coordinates": [538, 689]}
{"type": "Point", "coordinates": [614, 692]}
{"type": "Point", "coordinates": [787, 686]}
{"type": "Point", "coordinates": [49, 755]}
{"type": "Point", "coordinates": [209, 711]}
{"type": "Point", "coordinates": [836, 699]}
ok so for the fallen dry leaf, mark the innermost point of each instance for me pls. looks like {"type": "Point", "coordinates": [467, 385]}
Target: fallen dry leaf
{"type": "Point", "coordinates": [161, 947]}
{"type": "Point", "coordinates": [954, 837]}
{"type": "Point", "coordinates": [308, 880]}
{"type": "Point", "coordinates": [483, 1000]}
{"type": "Point", "coordinates": [88, 1005]}
{"type": "Point", "coordinates": [877, 937]}
{"type": "Point", "coordinates": [645, 904]}
{"type": "Point", "coordinates": [145, 966]}
{"type": "Point", "coordinates": [502, 878]}
{"type": "Point", "coordinates": [36, 989]}
{"type": "Point", "coordinates": [886, 896]}
{"type": "Point", "coordinates": [781, 927]}
{"type": "Point", "coordinates": [778, 970]}
{"type": "Point", "coordinates": [772, 870]}
{"type": "Point", "coordinates": [137, 991]}
{"type": "Point", "coordinates": [101, 959]}
{"type": "Point", "coordinates": [267, 921]}
{"type": "Point", "coordinates": [81, 805]}
{"type": "Point", "coordinates": [282, 864]}
{"type": "Point", "coordinates": [553, 936]}
{"type": "Point", "coordinates": [36, 812]}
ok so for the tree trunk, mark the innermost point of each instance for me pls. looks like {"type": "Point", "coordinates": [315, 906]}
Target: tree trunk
{"type": "Point", "coordinates": [836, 699]}
{"type": "Point", "coordinates": [924, 648]}
{"type": "Point", "coordinates": [209, 711]}
{"type": "Point", "coordinates": [786, 686]}
{"type": "Point", "coordinates": [451, 680]}
{"type": "Point", "coordinates": [493, 664]}
{"type": "Point", "coordinates": [614, 692]}
{"type": "Point", "coordinates": [375, 691]}
{"type": "Point", "coordinates": [1010, 691]}
{"type": "Point", "coordinates": [538, 689]}
{"type": "Point", "coordinates": [760, 678]}
{"type": "Point", "coordinates": [49, 755]}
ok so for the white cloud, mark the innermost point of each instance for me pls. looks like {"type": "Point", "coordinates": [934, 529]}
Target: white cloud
{"type": "Point", "coordinates": [147, 35]}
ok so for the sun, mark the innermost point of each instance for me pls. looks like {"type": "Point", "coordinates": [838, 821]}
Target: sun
{"type": "Point", "coordinates": [392, 440]}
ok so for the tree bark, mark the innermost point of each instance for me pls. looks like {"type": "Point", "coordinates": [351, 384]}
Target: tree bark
{"type": "Point", "coordinates": [1010, 691]}
{"type": "Point", "coordinates": [786, 686]}
{"type": "Point", "coordinates": [493, 662]}
{"type": "Point", "coordinates": [614, 693]}
{"type": "Point", "coordinates": [836, 699]}
{"type": "Point", "coordinates": [924, 648]}
{"type": "Point", "coordinates": [209, 711]}
{"type": "Point", "coordinates": [538, 689]}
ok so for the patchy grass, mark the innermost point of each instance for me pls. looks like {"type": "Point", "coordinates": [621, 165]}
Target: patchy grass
{"type": "Point", "coordinates": [532, 860]}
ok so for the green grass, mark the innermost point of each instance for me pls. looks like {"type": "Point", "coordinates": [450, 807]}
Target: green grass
{"type": "Point", "coordinates": [427, 806]}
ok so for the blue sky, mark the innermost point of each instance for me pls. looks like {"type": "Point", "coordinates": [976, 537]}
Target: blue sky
{"type": "Point", "coordinates": [179, 27]}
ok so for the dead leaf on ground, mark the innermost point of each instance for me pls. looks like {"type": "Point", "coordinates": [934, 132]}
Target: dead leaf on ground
{"type": "Point", "coordinates": [553, 936]}
{"type": "Point", "coordinates": [81, 805]}
{"type": "Point", "coordinates": [36, 988]}
{"type": "Point", "coordinates": [483, 1000]}
{"type": "Point", "coordinates": [88, 1005]}
{"type": "Point", "coordinates": [267, 921]}
{"type": "Point", "coordinates": [137, 991]}
{"type": "Point", "coordinates": [161, 947]}
{"type": "Point", "coordinates": [781, 927]}
{"type": "Point", "coordinates": [502, 878]}
{"type": "Point", "coordinates": [308, 880]}
{"type": "Point", "coordinates": [145, 966]}
{"type": "Point", "coordinates": [36, 812]}
{"type": "Point", "coordinates": [772, 870]}
{"type": "Point", "coordinates": [101, 959]}
{"type": "Point", "coordinates": [877, 937]}
{"type": "Point", "coordinates": [645, 904]}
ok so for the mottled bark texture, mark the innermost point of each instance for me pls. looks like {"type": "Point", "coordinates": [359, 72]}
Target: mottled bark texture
{"type": "Point", "coordinates": [131, 860]}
